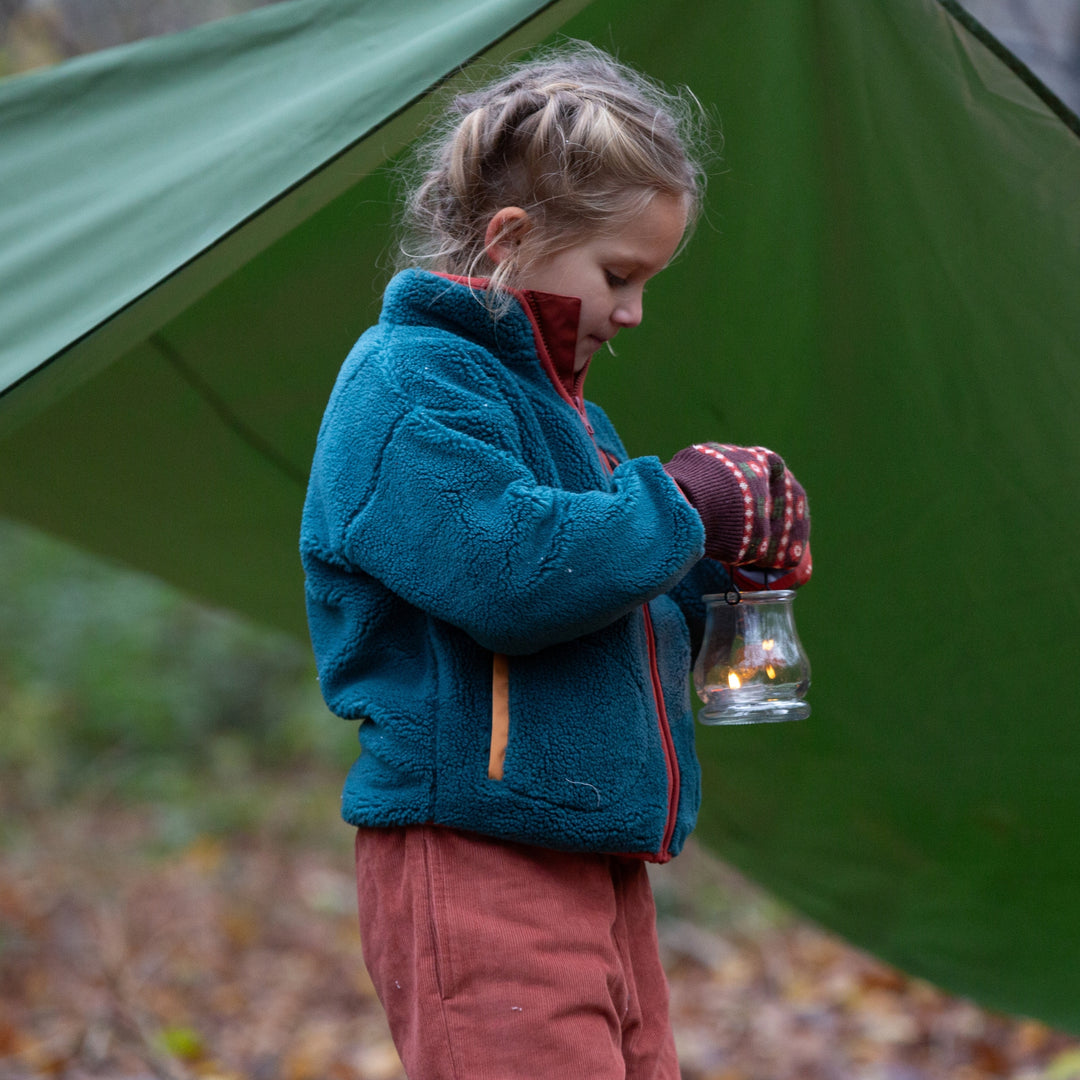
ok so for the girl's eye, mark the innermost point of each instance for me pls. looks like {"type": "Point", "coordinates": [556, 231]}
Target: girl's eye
{"type": "Point", "coordinates": [614, 280]}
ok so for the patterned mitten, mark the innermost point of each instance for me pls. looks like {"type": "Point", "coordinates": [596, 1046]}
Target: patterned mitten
{"type": "Point", "coordinates": [751, 579]}
{"type": "Point", "coordinates": [754, 511]}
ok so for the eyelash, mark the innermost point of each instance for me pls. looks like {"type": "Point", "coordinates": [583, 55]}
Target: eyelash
{"type": "Point", "coordinates": [614, 280]}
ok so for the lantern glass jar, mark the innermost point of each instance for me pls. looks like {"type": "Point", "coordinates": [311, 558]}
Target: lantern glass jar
{"type": "Point", "coordinates": [752, 667]}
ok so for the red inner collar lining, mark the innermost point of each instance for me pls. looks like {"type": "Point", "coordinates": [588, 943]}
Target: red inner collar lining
{"type": "Point", "coordinates": [555, 320]}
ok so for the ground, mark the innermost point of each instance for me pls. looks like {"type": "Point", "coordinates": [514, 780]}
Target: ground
{"type": "Point", "coordinates": [136, 945]}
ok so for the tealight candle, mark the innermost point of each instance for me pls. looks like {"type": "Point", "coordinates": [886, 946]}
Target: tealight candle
{"type": "Point", "coordinates": [751, 667]}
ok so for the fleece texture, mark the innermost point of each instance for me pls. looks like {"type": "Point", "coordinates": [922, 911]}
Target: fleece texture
{"type": "Point", "coordinates": [460, 507]}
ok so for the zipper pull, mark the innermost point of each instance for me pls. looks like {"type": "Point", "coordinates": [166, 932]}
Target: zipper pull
{"type": "Point", "coordinates": [579, 404]}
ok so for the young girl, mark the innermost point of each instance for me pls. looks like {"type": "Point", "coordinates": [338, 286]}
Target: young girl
{"type": "Point", "coordinates": [506, 601]}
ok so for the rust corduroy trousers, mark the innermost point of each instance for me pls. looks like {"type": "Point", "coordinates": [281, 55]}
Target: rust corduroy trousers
{"type": "Point", "coordinates": [500, 961]}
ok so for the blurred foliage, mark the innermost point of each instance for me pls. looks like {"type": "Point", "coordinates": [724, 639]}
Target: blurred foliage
{"type": "Point", "coordinates": [113, 682]}
{"type": "Point", "coordinates": [39, 33]}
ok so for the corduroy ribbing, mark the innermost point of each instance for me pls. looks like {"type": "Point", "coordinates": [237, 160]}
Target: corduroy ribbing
{"type": "Point", "coordinates": [501, 961]}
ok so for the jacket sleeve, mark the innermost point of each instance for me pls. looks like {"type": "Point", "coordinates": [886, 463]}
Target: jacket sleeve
{"type": "Point", "coordinates": [708, 576]}
{"type": "Point", "coordinates": [431, 499]}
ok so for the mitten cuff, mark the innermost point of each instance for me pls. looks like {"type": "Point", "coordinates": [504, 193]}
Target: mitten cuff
{"type": "Point", "coordinates": [713, 490]}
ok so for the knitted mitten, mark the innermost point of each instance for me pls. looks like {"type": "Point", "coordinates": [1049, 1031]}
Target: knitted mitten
{"type": "Point", "coordinates": [754, 511]}
{"type": "Point", "coordinates": [751, 579]}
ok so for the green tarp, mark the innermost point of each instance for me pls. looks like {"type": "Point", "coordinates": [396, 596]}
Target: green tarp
{"type": "Point", "coordinates": [192, 233]}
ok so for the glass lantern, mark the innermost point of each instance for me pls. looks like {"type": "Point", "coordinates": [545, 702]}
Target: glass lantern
{"type": "Point", "coordinates": [751, 668]}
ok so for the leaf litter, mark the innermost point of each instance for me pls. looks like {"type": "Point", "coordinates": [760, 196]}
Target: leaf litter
{"type": "Point", "coordinates": [131, 951]}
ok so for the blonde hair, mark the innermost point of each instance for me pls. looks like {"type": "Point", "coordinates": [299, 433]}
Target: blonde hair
{"type": "Point", "coordinates": [573, 137]}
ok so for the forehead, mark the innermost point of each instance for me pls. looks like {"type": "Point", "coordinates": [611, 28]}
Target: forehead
{"type": "Point", "coordinates": [648, 235]}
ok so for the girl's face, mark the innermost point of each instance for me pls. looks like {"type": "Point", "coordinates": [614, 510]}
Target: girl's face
{"type": "Point", "coordinates": [606, 273]}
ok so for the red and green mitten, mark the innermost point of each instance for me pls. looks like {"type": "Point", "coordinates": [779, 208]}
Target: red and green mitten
{"type": "Point", "coordinates": [753, 509]}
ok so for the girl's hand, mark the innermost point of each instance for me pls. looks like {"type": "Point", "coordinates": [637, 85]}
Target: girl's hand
{"type": "Point", "coordinates": [753, 509]}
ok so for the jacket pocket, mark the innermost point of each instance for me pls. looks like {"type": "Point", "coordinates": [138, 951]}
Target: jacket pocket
{"type": "Point", "coordinates": [500, 715]}
{"type": "Point", "coordinates": [575, 725]}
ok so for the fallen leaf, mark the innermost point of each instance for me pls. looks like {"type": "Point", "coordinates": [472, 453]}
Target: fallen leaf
{"type": "Point", "coordinates": [182, 1042]}
{"type": "Point", "coordinates": [1066, 1066]}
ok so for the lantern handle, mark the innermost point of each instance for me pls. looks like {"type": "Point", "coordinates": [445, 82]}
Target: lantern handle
{"type": "Point", "coordinates": [733, 595]}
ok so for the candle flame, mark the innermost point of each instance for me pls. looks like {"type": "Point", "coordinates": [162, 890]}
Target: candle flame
{"type": "Point", "coordinates": [770, 671]}
{"type": "Point", "coordinates": [768, 644]}
{"type": "Point", "coordinates": [733, 680]}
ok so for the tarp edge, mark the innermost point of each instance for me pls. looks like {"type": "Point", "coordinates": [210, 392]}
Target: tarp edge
{"type": "Point", "coordinates": [21, 399]}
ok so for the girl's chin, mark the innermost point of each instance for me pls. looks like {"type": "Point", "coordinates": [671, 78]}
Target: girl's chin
{"type": "Point", "coordinates": [585, 352]}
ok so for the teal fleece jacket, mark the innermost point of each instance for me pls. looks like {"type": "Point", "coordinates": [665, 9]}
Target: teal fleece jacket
{"type": "Point", "coordinates": [488, 580]}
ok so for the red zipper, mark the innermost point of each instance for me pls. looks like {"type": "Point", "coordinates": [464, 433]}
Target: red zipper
{"type": "Point", "coordinates": [670, 757]}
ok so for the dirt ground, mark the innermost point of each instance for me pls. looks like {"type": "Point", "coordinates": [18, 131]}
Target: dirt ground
{"type": "Point", "coordinates": [132, 947]}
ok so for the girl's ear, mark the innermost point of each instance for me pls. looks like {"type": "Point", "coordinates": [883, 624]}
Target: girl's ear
{"type": "Point", "coordinates": [504, 232]}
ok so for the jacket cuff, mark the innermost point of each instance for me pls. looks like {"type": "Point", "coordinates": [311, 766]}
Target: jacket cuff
{"type": "Point", "coordinates": [714, 493]}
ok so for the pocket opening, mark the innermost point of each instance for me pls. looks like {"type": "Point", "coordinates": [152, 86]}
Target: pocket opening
{"type": "Point", "coordinates": [500, 715]}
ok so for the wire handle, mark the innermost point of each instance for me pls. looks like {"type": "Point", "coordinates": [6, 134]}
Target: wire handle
{"type": "Point", "coordinates": [733, 595]}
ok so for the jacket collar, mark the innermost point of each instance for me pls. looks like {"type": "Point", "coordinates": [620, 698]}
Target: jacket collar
{"type": "Point", "coordinates": [554, 320]}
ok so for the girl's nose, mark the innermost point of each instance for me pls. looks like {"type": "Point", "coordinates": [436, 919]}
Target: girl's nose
{"type": "Point", "coordinates": [628, 312]}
